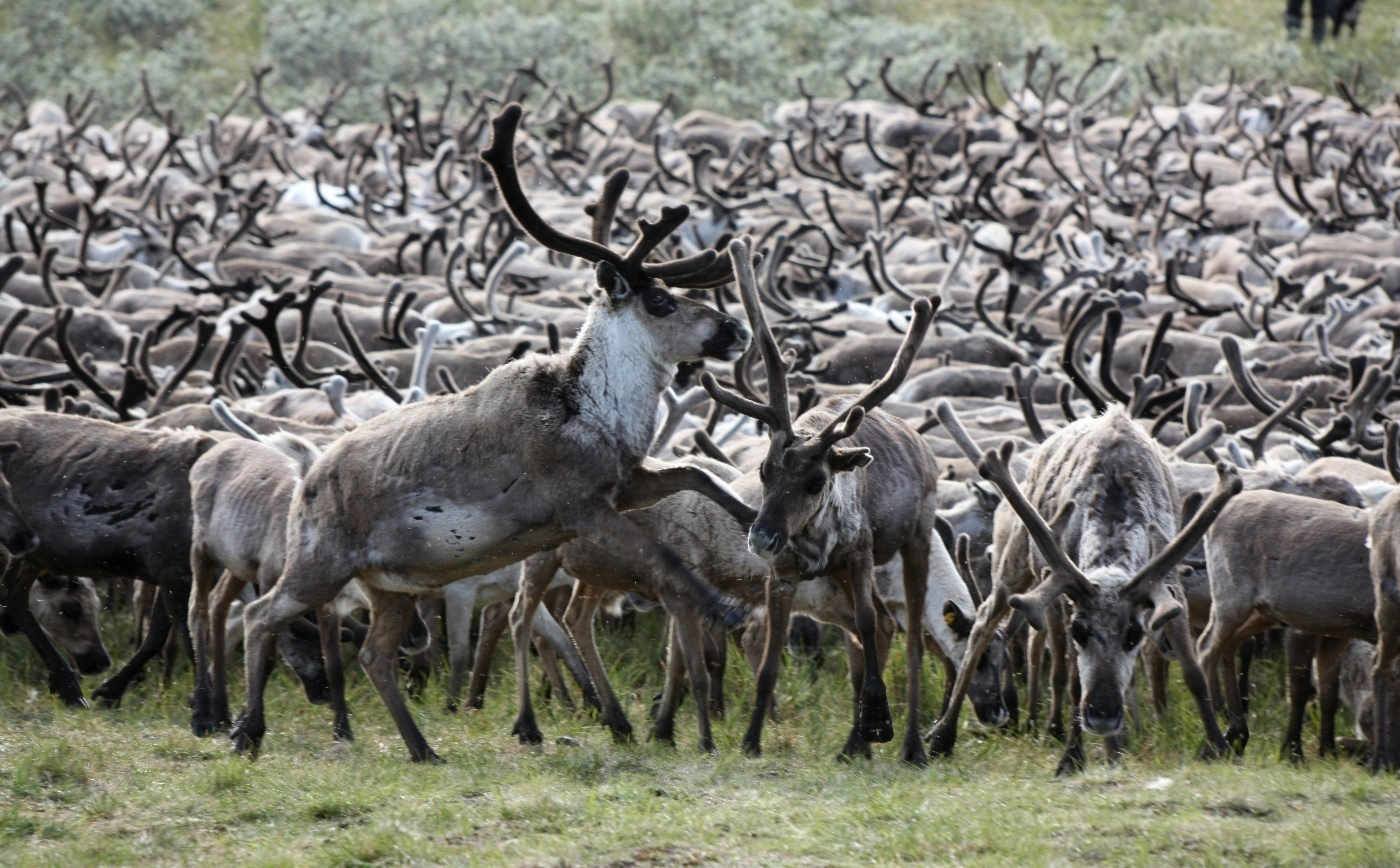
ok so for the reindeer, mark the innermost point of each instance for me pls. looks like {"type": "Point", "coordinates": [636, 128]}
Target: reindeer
{"type": "Point", "coordinates": [1112, 503]}
{"type": "Point", "coordinates": [113, 502]}
{"type": "Point", "coordinates": [837, 510]}
{"type": "Point", "coordinates": [66, 609]}
{"type": "Point", "coordinates": [1315, 577]}
{"type": "Point", "coordinates": [543, 449]}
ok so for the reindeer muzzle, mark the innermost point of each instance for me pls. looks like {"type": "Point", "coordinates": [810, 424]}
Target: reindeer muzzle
{"type": "Point", "coordinates": [766, 542]}
{"type": "Point", "coordinates": [730, 340]}
{"type": "Point", "coordinates": [22, 542]}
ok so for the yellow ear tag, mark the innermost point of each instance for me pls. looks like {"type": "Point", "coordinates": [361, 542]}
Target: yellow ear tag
{"type": "Point", "coordinates": [950, 617]}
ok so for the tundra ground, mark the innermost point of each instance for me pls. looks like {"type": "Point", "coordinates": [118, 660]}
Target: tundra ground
{"type": "Point", "coordinates": [134, 786]}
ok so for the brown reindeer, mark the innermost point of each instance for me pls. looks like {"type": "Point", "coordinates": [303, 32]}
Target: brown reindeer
{"type": "Point", "coordinates": [845, 487]}
{"type": "Point", "coordinates": [543, 449]}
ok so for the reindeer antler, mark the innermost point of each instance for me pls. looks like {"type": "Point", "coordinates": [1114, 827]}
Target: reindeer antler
{"type": "Point", "coordinates": [776, 415]}
{"type": "Point", "coordinates": [1065, 576]}
{"type": "Point", "coordinates": [704, 269]}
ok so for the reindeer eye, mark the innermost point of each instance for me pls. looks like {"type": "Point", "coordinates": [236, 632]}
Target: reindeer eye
{"type": "Point", "coordinates": [658, 302]}
{"type": "Point", "coordinates": [1080, 631]}
{"type": "Point", "coordinates": [1132, 637]}
{"type": "Point", "coordinates": [817, 484]}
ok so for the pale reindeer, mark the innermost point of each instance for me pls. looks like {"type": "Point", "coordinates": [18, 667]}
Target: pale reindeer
{"type": "Point", "coordinates": [1112, 508]}
{"type": "Point", "coordinates": [544, 449]}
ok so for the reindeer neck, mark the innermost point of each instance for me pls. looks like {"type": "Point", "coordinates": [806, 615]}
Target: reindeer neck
{"type": "Point", "coordinates": [619, 379]}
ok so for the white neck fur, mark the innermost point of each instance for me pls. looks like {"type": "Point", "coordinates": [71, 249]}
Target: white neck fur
{"type": "Point", "coordinates": [621, 379]}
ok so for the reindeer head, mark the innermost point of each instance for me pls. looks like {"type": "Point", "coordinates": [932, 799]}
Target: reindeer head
{"type": "Point", "coordinates": [1105, 605]}
{"type": "Point", "coordinates": [15, 535]}
{"type": "Point", "coordinates": [630, 291]}
{"type": "Point", "coordinates": [802, 469]}
{"type": "Point", "coordinates": [68, 608]}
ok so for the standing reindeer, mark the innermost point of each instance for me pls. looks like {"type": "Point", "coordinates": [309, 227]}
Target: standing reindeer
{"type": "Point", "coordinates": [838, 510]}
{"type": "Point", "coordinates": [1108, 547]}
{"type": "Point", "coordinates": [543, 449]}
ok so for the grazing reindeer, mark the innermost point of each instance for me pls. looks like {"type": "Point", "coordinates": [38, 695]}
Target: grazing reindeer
{"type": "Point", "coordinates": [839, 510]}
{"type": "Point", "coordinates": [544, 449]}
{"type": "Point", "coordinates": [1112, 508]}
{"type": "Point", "coordinates": [66, 609]}
{"type": "Point", "coordinates": [113, 502]}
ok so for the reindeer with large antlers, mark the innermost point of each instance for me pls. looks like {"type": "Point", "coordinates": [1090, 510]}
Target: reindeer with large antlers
{"type": "Point", "coordinates": [543, 449]}
{"type": "Point", "coordinates": [846, 486]}
{"type": "Point", "coordinates": [1110, 546]}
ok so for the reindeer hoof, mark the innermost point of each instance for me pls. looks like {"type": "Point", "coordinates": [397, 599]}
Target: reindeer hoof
{"type": "Point", "coordinates": [108, 697]}
{"type": "Point", "coordinates": [752, 748]}
{"type": "Point", "coordinates": [1072, 763]}
{"type": "Point", "coordinates": [665, 736]}
{"type": "Point", "coordinates": [708, 746]}
{"type": "Point", "coordinates": [941, 740]}
{"type": "Point", "coordinates": [343, 734]}
{"type": "Point", "coordinates": [245, 744]}
{"type": "Point", "coordinates": [856, 746]}
{"type": "Point", "coordinates": [428, 756]}
{"type": "Point", "coordinates": [877, 725]}
{"type": "Point", "coordinates": [913, 753]}
{"type": "Point", "coordinates": [527, 732]}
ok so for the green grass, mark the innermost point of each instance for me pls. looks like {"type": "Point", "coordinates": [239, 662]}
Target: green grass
{"type": "Point", "coordinates": [134, 786]}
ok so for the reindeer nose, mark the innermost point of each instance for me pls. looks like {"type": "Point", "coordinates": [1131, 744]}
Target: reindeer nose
{"type": "Point", "coordinates": [765, 542]}
{"type": "Point", "coordinates": [1103, 721]}
{"type": "Point", "coordinates": [23, 543]}
{"type": "Point", "coordinates": [729, 341]}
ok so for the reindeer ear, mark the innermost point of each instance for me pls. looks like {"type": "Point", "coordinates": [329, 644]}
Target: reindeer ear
{"type": "Point", "coordinates": [610, 282]}
{"type": "Point", "coordinates": [954, 618]}
{"type": "Point", "coordinates": [845, 458]}
{"type": "Point", "coordinates": [1034, 602]}
{"type": "Point", "coordinates": [1165, 606]}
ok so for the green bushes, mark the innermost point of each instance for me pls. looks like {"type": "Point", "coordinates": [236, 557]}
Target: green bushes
{"type": "Point", "coordinates": [732, 56]}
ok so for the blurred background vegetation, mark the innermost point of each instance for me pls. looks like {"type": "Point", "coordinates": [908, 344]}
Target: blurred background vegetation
{"type": "Point", "coordinates": [731, 56]}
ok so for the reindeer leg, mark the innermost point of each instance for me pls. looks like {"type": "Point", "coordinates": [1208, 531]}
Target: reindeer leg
{"type": "Point", "coordinates": [664, 713]}
{"type": "Point", "coordinates": [391, 614]}
{"type": "Point", "coordinates": [328, 620]}
{"type": "Point", "coordinates": [536, 572]}
{"type": "Point", "coordinates": [494, 620]}
{"type": "Point", "coordinates": [916, 566]}
{"type": "Point", "coordinates": [778, 593]}
{"type": "Point", "coordinates": [1179, 634]}
{"type": "Point", "coordinates": [1156, 663]}
{"type": "Point", "coordinates": [1385, 751]}
{"type": "Point", "coordinates": [578, 620]}
{"type": "Point", "coordinates": [1035, 662]}
{"type": "Point", "coordinates": [1059, 675]}
{"type": "Point", "coordinates": [63, 681]}
{"type": "Point", "coordinates": [206, 571]}
{"type": "Point", "coordinates": [549, 662]}
{"type": "Point", "coordinates": [1299, 648]}
{"type": "Point", "coordinates": [550, 631]}
{"type": "Point", "coordinates": [856, 745]}
{"type": "Point", "coordinates": [876, 723]}
{"type": "Point", "coordinates": [1072, 761]}
{"type": "Point", "coordinates": [225, 592]}
{"type": "Point", "coordinates": [309, 580]}
{"type": "Point", "coordinates": [109, 692]}
{"type": "Point", "coordinates": [689, 640]}
{"type": "Point", "coordinates": [716, 656]}
{"type": "Point", "coordinates": [459, 599]}
{"type": "Point", "coordinates": [1329, 672]}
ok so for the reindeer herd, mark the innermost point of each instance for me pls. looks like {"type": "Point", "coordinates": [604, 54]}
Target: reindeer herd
{"type": "Point", "coordinates": [983, 362]}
